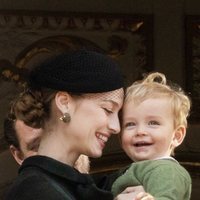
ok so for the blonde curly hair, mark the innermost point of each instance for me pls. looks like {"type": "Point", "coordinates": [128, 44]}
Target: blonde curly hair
{"type": "Point", "coordinates": [155, 85]}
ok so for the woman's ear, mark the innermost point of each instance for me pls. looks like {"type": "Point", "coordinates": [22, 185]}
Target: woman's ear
{"type": "Point", "coordinates": [179, 135]}
{"type": "Point", "coordinates": [17, 154]}
{"type": "Point", "coordinates": [62, 100]}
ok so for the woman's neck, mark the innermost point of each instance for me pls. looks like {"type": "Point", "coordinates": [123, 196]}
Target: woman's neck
{"type": "Point", "coordinates": [54, 146]}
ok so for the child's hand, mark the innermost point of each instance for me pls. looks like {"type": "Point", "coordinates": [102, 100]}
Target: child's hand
{"type": "Point", "coordinates": [144, 196]}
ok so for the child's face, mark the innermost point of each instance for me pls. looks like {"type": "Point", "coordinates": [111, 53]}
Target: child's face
{"type": "Point", "coordinates": [148, 129]}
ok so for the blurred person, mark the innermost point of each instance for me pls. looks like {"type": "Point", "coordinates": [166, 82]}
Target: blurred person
{"type": "Point", "coordinates": [24, 141]}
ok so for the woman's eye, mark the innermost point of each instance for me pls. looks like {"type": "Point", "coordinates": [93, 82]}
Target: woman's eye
{"type": "Point", "coordinates": [154, 123]}
{"type": "Point", "coordinates": [108, 110]}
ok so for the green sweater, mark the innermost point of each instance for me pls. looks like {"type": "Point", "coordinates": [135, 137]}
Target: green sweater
{"type": "Point", "coordinates": [163, 178]}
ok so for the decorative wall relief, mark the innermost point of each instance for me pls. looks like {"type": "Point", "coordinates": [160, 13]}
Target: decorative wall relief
{"type": "Point", "coordinates": [27, 35]}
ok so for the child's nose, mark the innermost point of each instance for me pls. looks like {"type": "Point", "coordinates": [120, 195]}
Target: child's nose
{"type": "Point", "coordinates": [141, 131]}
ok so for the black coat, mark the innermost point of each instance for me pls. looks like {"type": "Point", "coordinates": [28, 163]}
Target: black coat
{"type": "Point", "coordinates": [43, 178]}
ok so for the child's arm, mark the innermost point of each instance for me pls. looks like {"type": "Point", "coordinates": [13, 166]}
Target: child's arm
{"type": "Point", "coordinates": [164, 179]}
{"type": "Point", "coordinates": [168, 182]}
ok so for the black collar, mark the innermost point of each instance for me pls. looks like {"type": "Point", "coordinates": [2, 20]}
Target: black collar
{"type": "Point", "coordinates": [57, 168]}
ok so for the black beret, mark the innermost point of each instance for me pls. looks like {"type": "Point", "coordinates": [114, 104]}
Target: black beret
{"type": "Point", "coordinates": [80, 71]}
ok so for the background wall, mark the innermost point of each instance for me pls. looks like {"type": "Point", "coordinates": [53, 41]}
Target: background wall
{"type": "Point", "coordinates": [169, 47]}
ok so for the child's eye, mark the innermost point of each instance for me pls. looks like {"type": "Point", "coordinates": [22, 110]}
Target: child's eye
{"type": "Point", "coordinates": [129, 124]}
{"type": "Point", "coordinates": [154, 123]}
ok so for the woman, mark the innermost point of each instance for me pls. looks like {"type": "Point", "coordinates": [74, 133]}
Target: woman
{"type": "Point", "coordinates": [75, 97]}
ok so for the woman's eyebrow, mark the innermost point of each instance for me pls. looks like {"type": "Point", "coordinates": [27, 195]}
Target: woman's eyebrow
{"type": "Point", "coordinates": [110, 101]}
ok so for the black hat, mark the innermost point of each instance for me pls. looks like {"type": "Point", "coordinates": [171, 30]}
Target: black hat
{"type": "Point", "coordinates": [78, 71]}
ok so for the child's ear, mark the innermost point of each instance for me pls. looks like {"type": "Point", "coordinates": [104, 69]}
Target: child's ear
{"type": "Point", "coordinates": [17, 154]}
{"type": "Point", "coordinates": [179, 135]}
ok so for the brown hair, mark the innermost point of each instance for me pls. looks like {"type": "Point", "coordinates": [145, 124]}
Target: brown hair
{"type": "Point", "coordinates": [33, 107]}
{"type": "Point", "coordinates": [10, 135]}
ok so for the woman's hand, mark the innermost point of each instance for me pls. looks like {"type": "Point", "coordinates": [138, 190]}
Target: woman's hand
{"type": "Point", "coordinates": [125, 196]}
{"type": "Point", "coordinates": [134, 193]}
{"type": "Point", "coordinates": [144, 196]}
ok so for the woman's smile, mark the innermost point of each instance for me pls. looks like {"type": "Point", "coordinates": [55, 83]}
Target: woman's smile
{"type": "Point", "coordinates": [102, 139]}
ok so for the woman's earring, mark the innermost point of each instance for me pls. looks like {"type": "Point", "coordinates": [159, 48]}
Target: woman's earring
{"type": "Point", "coordinates": [66, 118]}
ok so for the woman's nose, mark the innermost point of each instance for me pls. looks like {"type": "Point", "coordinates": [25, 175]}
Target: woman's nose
{"type": "Point", "coordinates": [114, 125]}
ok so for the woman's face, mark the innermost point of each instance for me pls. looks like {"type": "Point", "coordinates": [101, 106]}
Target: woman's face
{"type": "Point", "coordinates": [94, 120]}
